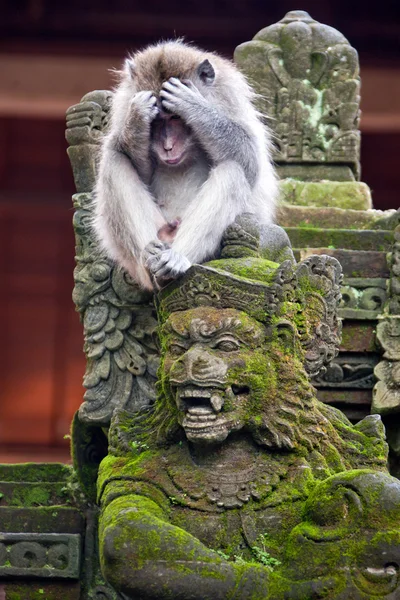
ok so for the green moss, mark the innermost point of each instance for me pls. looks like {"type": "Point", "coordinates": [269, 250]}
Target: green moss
{"type": "Point", "coordinates": [253, 269]}
{"type": "Point", "coordinates": [35, 472]}
{"type": "Point", "coordinates": [346, 195]}
{"type": "Point", "coordinates": [27, 495]}
{"type": "Point", "coordinates": [366, 240]}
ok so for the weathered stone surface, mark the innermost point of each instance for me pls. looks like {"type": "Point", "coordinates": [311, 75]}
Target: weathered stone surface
{"type": "Point", "coordinates": [359, 336]}
{"type": "Point", "coordinates": [346, 397]}
{"type": "Point", "coordinates": [366, 240]}
{"type": "Point", "coordinates": [386, 398]}
{"type": "Point", "coordinates": [42, 590]}
{"type": "Point", "coordinates": [307, 76]}
{"type": "Point", "coordinates": [338, 218]}
{"type": "Point", "coordinates": [355, 263]}
{"type": "Point", "coordinates": [346, 195]}
{"type": "Point", "coordinates": [43, 519]}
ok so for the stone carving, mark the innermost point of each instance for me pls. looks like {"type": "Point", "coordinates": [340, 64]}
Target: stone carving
{"type": "Point", "coordinates": [118, 318]}
{"type": "Point", "coordinates": [307, 75]}
{"type": "Point", "coordinates": [349, 371]}
{"type": "Point", "coordinates": [363, 298]}
{"type": "Point", "coordinates": [40, 555]}
{"type": "Point", "coordinates": [386, 395]}
{"type": "Point", "coordinates": [238, 483]}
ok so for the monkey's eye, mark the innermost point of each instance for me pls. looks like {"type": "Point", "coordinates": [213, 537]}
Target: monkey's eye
{"type": "Point", "coordinates": [176, 350]}
{"type": "Point", "coordinates": [227, 345]}
{"type": "Point", "coordinates": [175, 117]}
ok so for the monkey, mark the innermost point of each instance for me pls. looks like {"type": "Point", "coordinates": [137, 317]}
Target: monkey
{"type": "Point", "coordinates": [185, 154]}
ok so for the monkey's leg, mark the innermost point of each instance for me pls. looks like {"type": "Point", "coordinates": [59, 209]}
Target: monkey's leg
{"type": "Point", "coordinates": [126, 216]}
{"type": "Point", "coordinates": [221, 199]}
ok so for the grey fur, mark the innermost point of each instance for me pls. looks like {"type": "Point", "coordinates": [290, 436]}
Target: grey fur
{"type": "Point", "coordinates": [230, 171]}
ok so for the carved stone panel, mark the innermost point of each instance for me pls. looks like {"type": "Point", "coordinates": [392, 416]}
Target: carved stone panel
{"type": "Point", "coordinates": [118, 318]}
{"type": "Point", "coordinates": [41, 555]}
{"type": "Point", "coordinates": [386, 396]}
{"type": "Point", "coordinates": [349, 371]}
{"type": "Point", "coordinates": [363, 298]}
{"type": "Point", "coordinates": [307, 76]}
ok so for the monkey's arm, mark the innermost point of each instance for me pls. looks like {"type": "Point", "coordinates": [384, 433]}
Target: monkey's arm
{"type": "Point", "coordinates": [126, 217]}
{"type": "Point", "coordinates": [222, 138]}
{"type": "Point", "coordinates": [133, 137]}
{"type": "Point", "coordinates": [142, 554]}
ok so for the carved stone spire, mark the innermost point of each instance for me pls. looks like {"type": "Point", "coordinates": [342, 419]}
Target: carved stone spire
{"type": "Point", "coordinates": [307, 76]}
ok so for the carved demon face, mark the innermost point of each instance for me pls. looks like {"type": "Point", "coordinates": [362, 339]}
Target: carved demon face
{"type": "Point", "coordinates": [220, 368]}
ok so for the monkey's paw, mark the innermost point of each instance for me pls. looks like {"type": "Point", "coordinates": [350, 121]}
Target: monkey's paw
{"type": "Point", "coordinates": [163, 262]}
{"type": "Point", "coordinates": [144, 106]}
{"type": "Point", "coordinates": [181, 98]}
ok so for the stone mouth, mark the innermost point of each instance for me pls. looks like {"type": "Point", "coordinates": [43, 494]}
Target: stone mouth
{"type": "Point", "coordinates": [201, 405]}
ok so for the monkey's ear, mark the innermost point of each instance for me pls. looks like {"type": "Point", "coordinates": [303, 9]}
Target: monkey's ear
{"type": "Point", "coordinates": [130, 67]}
{"type": "Point", "coordinates": [206, 72]}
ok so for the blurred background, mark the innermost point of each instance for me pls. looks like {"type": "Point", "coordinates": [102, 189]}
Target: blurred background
{"type": "Point", "coordinates": [51, 54]}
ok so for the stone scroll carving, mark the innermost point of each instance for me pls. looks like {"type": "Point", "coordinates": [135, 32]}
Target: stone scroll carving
{"type": "Point", "coordinates": [40, 555]}
{"type": "Point", "coordinates": [307, 76]}
{"type": "Point", "coordinates": [118, 318]}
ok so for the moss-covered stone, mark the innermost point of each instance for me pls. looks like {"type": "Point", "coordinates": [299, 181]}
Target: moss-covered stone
{"type": "Point", "coordinates": [335, 218]}
{"type": "Point", "coordinates": [366, 240]}
{"type": "Point", "coordinates": [343, 194]}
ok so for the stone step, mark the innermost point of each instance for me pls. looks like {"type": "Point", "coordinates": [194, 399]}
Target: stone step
{"type": "Point", "coordinates": [35, 472]}
{"type": "Point", "coordinates": [23, 494]}
{"type": "Point", "coordinates": [29, 485]}
{"type": "Point", "coordinates": [340, 194]}
{"type": "Point", "coordinates": [355, 263]}
{"type": "Point", "coordinates": [350, 239]}
{"type": "Point", "coordinates": [336, 218]}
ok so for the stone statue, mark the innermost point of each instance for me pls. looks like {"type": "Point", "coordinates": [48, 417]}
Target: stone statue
{"type": "Point", "coordinates": [238, 483]}
{"type": "Point", "coordinates": [308, 76]}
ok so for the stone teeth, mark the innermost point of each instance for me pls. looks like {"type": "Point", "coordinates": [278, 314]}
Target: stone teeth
{"type": "Point", "coordinates": [200, 410]}
{"type": "Point", "coordinates": [192, 393]}
{"type": "Point", "coordinates": [217, 402]}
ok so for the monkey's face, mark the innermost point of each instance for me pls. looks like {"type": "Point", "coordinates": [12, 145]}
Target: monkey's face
{"type": "Point", "coordinates": [172, 140]}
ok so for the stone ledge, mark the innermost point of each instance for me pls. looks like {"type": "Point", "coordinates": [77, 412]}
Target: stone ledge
{"type": "Point", "coordinates": [340, 194]}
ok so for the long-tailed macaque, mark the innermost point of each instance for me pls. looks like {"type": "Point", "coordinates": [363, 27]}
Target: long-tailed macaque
{"type": "Point", "coordinates": [186, 153]}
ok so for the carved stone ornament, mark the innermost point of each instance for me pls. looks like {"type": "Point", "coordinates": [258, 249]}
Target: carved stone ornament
{"type": "Point", "coordinates": [282, 292]}
{"type": "Point", "coordinates": [118, 318]}
{"type": "Point", "coordinates": [307, 78]}
{"type": "Point", "coordinates": [386, 395]}
{"type": "Point", "coordinates": [40, 555]}
{"type": "Point", "coordinates": [349, 371]}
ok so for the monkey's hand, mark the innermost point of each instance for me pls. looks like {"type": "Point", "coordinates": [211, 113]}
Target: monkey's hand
{"type": "Point", "coordinates": [163, 262]}
{"type": "Point", "coordinates": [143, 108]}
{"type": "Point", "coordinates": [182, 98]}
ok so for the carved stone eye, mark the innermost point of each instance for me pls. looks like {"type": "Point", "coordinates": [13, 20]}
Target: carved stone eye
{"type": "Point", "coordinates": [177, 350]}
{"type": "Point", "coordinates": [100, 272]}
{"type": "Point", "coordinates": [227, 346]}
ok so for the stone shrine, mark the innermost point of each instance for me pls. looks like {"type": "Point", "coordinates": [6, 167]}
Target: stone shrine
{"type": "Point", "coordinates": [211, 459]}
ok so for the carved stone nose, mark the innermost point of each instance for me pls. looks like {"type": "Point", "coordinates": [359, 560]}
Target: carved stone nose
{"type": "Point", "coordinates": [201, 365]}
